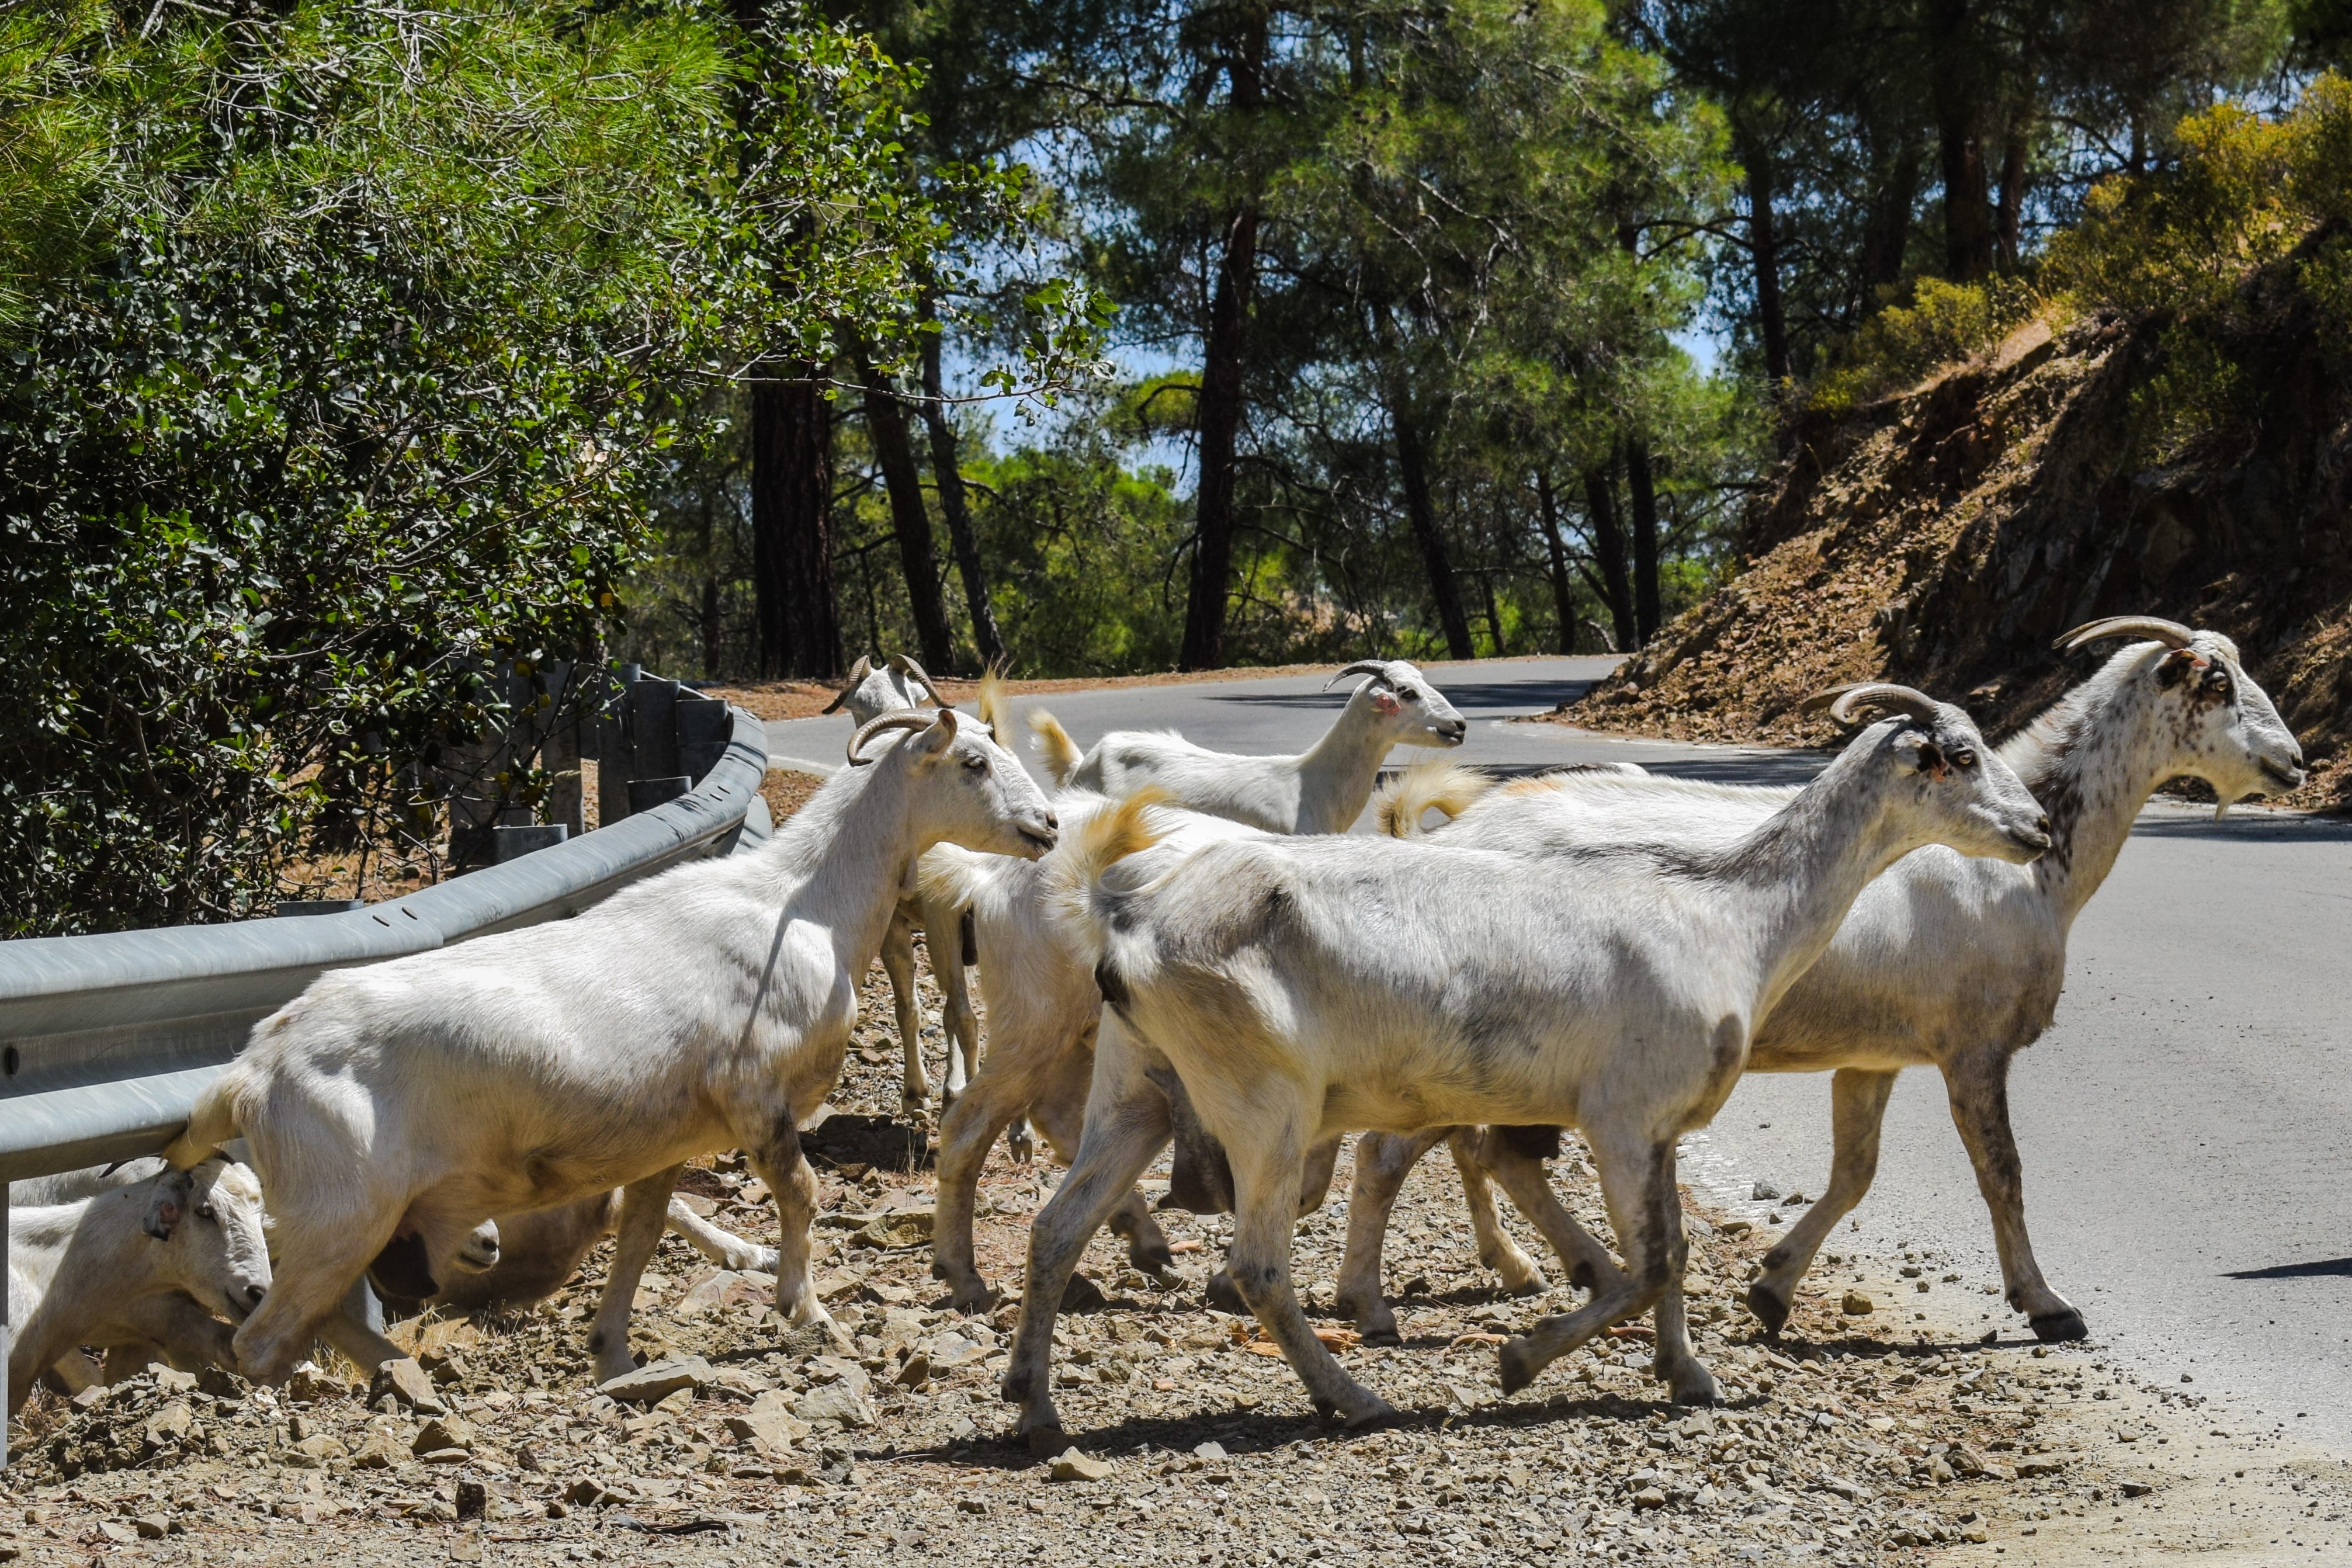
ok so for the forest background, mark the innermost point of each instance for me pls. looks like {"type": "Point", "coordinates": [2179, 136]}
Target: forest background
{"type": "Point", "coordinates": [350, 354]}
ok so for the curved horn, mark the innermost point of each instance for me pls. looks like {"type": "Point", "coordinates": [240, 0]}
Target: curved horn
{"type": "Point", "coordinates": [905, 718]}
{"type": "Point", "coordinates": [1375, 667]}
{"type": "Point", "coordinates": [907, 666]}
{"type": "Point", "coordinates": [1844, 702]}
{"type": "Point", "coordinates": [856, 676]}
{"type": "Point", "coordinates": [2171, 634]}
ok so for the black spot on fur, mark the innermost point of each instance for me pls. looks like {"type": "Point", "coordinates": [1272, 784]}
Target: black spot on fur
{"type": "Point", "coordinates": [1200, 1178]}
{"type": "Point", "coordinates": [970, 937]}
{"type": "Point", "coordinates": [402, 1271]}
{"type": "Point", "coordinates": [1106, 981]}
{"type": "Point", "coordinates": [1532, 1143]}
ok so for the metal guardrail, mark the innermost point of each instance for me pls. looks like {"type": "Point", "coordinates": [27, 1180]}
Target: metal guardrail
{"type": "Point", "coordinates": [105, 1041]}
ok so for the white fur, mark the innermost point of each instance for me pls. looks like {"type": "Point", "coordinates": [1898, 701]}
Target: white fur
{"type": "Point", "coordinates": [706, 1008]}
{"type": "Point", "coordinates": [95, 1271]}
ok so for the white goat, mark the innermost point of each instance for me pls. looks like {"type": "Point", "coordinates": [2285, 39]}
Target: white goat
{"type": "Point", "coordinates": [1300, 987]}
{"type": "Point", "coordinates": [705, 1008]}
{"type": "Point", "coordinates": [141, 1264]}
{"type": "Point", "coordinates": [542, 1248]}
{"type": "Point", "coordinates": [1945, 961]}
{"type": "Point", "coordinates": [1043, 1004]}
{"type": "Point", "coordinates": [1321, 789]}
{"type": "Point", "coordinates": [898, 685]}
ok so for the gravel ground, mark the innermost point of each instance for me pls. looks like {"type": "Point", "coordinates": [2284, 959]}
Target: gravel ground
{"type": "Point", "coordinates": [1870, 1436]}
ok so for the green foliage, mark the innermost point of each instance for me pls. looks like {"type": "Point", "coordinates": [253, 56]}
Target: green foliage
{"type": "Point", "coordinates": [1942, 324]}
{"type": "Point", "coordinates": [363, 387]}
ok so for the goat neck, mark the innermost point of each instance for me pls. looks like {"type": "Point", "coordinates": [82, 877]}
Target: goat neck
{"type": "Point", "coordinates": [838, 862]}
{"type": "Point", "coordinates": [90, 1248]}
{"type": "Point", "coordinates": [1799, 870]}
{"type": "Point", "coordinates": [2092, 758]}
{"type": "Point", "coordinates": [1337, 774]}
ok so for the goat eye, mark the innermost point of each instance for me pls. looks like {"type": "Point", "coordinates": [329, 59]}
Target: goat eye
{"type": "Point", "coordinates": [977, 764]}
{"type": "Point", "coordinates": [1964, 759]}
{"type": "Point", "coordinates": [204, 1211]}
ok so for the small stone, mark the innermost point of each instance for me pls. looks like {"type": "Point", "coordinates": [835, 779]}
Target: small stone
{"type": "Point", "coordinates": [1857, 1305]}
{"type": "Point", "coordinates": [899, 1228]}
{"type": "Point", "coordinates": [380, 1449]}
{"type": "Point", "coordinates": [1765, 1193]}
{"type": "Point", "coordinates": [407, 1383]}
{"type": "Point", "coordinates": [769, 1427]}
{"type": "Point", "coordinates": [169, 1380]}
{"type": "Point", "coordinates": [656, 1380]}
{"type": "Point", "coordinates": [307, 1383]}
{"type": "Point", "coordinates": [120, 1534]}
{"type": "Point", "coordinates": [448, 1455]}
{"type": "Point", "coordinates": [1965, 1460]}
{"type": "Point", "coordinates": [2034, 1464]}
{"type": "Point", "coordinates": [169, 1427]}
{"type": "Point", "coordinates": [916, 1372]}
{"type": "Point", "coordinates": [473, 1499]}
{"type": "Point", "coordinates": [446, 1432]}
{"type": "Point", "coordinates": [1074, 1466]}
{"type": "Point", "coordinates": [972, 1505]}
{"type": "Point", "coordinates": [1939, 1469]}
{"type": "Point", "coordinates": [1649, 1497]}
{"type": "Point", "coordinates": [153, 1526]}
{"type": "Point", "coordinates": [806, 1340]}
{"type": "Point", "coordinates": [313, 1452]}
{"type": "Point", "coordinates": [2136, 1488]}
{"type": "Point", "coordinates": [1209, 1452]}
{"type": "Point", "coordinates": [838, 1402]}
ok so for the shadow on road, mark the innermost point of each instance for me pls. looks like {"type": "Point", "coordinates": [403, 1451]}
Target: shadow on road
{"type": "Point", "coordinates": [2333, 1267]}
{"type": "Point", "coordinates": [2247, 827]}
{"type": "Point", "coordinates": [1517, 697]}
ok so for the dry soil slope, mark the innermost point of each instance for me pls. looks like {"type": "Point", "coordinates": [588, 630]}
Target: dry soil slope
{"type": "Point", "coordinates": [1945, 536]}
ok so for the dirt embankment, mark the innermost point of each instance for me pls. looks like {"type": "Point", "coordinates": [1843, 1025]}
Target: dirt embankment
{"type": "Point", "coordinates": [1944, 537]}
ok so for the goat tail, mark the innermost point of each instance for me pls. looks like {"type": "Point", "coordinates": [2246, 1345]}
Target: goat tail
{"type": "Point", "coordinates": [1431, 782]}
{"type": "Point", "coordinates": [216, 1118]}
{"type": "Point", "coordinates": [1074, 873]}
{"type": "Point", "coordinates": [993, 703]}
{"type": "Point", "coordinates": [948, 876]}
{"type": "Point", "coordinates": [1055, 748]}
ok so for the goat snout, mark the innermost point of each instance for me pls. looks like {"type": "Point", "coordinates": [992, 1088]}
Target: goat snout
{"type": "Point", "coordinates": [1041, 834]}
{"type": "Point", "coordinates": [2288, 774]}
{"type": "Point", "coordinates": [1456, 731]}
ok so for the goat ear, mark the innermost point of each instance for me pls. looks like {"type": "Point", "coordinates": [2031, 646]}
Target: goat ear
{"type": "Point", "coordinates": [940, 734]}
{"type": "Point", "coordinates": [1384, 702]}
{"type": "Point", "coordinates": [1929, 758]}
{"type": "Point", "coordinates": [167, 1203]}
{"type": "Point", "coordinates": [2177, 665]}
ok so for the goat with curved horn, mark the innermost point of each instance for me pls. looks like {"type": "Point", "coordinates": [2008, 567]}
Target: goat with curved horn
{"type": "Point", "coordinates": [2171, 634]}
{"type": "Point", "coordinates": [1846, 702]}
{"type": "Point", "coordinates": [904, 665]}
{"type": "Point", "coordinates": [857, 673]}
{"type": "Point", "coordinates": [1375, 667]}
{"type": "Point", "coordinates": [900, 720]}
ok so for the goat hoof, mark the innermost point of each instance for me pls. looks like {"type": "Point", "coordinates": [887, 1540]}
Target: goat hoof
{"type": "Point", "coordinates": [973, 1299]}
{"type": "Point", "coordinates": [2059, 1327]}
{"type": "Point", "coordinates": [1149, 1257]}
{"type": "Point", "coordinates": [1770, 1309]}
{"type": "Point", "coordinates": [1695, 1386]}
{"type": "Point", "coordinates": [1533, 1285]}
{"type": "Point", "coordinates": [1518, 1365]}
{"type": "Point", "coordinates": [1225, 1296]}
{"type": "Point", "coordinates": [1048, 1441]}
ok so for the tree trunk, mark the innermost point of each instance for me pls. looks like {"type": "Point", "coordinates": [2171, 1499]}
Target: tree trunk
{"type": "Point", "coordinates": [2013, 193]}
{"type": "Point", "coordinates": [1224, 352]}
{"type": "Point", "coordinates": [948, 477]}
{"type": "Point", "coordinates": [1493, 615]}
{"type": "Point", "coordinates": [886, 421]}
{"type": "Point", "coordinates": [1645, 540]}
{"type": "Point", "coordinates": [1609, 553]}
{"type": "Point", "coordinates": [1886, 231]}
{"type": "Point", "coordinates": [792, 541]}
{"type": "Point", "coordinates": [1421, 509]}
{"type": "Point", "coordinates": [1960, 103]}
{"type": "Point", "coordinates": [1764, 253]}
{"type": "Point", "coordinates": [1563, 596]}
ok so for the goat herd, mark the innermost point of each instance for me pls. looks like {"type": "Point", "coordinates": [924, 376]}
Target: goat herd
{"type": "Point", "coordinates": [1176, 943]}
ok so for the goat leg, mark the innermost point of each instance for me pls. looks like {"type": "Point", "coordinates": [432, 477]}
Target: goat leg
{"type": "Point", "coordinates": [1384, 1160]}
{"type": "Point", "coordinates": [1060, 1113]}
{"type": "Point", "coordinates": [356, 1329]}
{"type": "Point", "coordinates": [1496, 1250]}
{"type": "Point", "coordinates": [899, 964]}
{"type": "Point", "coordinates": [1978, 1087]}
{"type": "Point", "coordinates": [995, 1097]}
{"type": "Point", "coordinates": [1126, 1128]}
{"type": "Point", "coordinates": [717, 1243]}
{"type": "Point", "coordinates": [944, 925]}
{"type": "Point", "coordinates": [644, 1212]}
{"type": "Point", "coordinates": [1637, 1182]}
{"type": "Point", "coordinates": [1522, 1177]}
{"type": "Point", "coordinates": [1857, 1111]}
{"type": "Point", "coordinates": [776, 1156]}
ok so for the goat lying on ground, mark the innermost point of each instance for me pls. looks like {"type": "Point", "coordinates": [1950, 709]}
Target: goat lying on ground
{"type": "Point", "coordinates": [542, 1248]}
{"type": "Point", "coordinates": [1945, 961]}
{"type": "Point", "coordinates": [144, 1264]}
{"type": "Point", "coordinates": [900, 685]}
{"type": "Point", "coordinates": [1299, 987]}
{"type": "Point", "coordinates": [705, 1008]}
{"type": "Point", "coordinates": [1321, 789]}
{"type": "Point", "coordinates": [1043, 1004]}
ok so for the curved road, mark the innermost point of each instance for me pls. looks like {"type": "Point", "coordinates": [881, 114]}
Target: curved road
{"type": "Point", "coordinates": [2178, 1123]}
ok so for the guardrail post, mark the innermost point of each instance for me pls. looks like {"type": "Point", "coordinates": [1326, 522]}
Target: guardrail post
{"type": "Point", "coordinates": [614, 752]}
{"type": "Point", "coordinates": [703, 726]}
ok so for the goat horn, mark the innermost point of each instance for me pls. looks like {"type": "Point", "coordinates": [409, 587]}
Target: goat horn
{"type": "Point", "coordinates": [905, 718]}
{"type": "Point", "coordinates": [857, 673]}
{"type": "Point", "coordinates": [907, 666]}
{"type": "Point", "coordinates": [1375, 667]}
{"type": "Point", "coordinates": [1844, 702]}
{"type": "Point", "coordinates": [2171, 634]}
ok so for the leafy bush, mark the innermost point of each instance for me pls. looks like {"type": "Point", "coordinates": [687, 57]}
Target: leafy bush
{"type": "Point", "coordinates": [1943, 322]}
{"type": "Point", "coordinates": [358, 389]}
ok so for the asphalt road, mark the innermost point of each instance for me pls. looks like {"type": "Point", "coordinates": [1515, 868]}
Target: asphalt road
{"type": "Point", "coordinates": [2181, 1123]}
